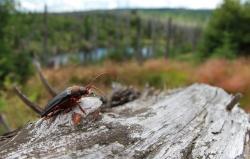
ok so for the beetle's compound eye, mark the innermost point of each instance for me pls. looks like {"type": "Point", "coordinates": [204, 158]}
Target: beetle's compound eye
{"type": "Point", "coordinates": [92, 94]}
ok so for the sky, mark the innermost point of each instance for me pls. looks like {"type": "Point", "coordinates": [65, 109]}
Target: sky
{"type": "Point", "coordinates": [79, 5]}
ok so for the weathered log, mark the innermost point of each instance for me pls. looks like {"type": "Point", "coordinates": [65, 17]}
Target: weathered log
{"type": "Point", "coordinates": [186, 123]}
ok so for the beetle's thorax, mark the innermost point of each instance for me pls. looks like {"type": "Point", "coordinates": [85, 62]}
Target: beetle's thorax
{"type": "Point", "coordinates": [74, 90]}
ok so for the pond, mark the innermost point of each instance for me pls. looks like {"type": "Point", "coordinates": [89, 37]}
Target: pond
{"type": "Point", "coordinates": [92, 56]}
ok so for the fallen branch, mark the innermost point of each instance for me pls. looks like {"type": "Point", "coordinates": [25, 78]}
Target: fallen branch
{"type": "Point", "coordinates": [46, 84]}
{"type": "Point", "coordinates": [30, 104]}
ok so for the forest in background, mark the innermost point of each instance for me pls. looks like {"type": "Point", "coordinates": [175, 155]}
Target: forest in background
{"type": "Point", "coordinates": [122, 33]}
{"type": "Point", "coordinates": [86, 37]}
{"type": "Point", "coordinates": [210, 46]}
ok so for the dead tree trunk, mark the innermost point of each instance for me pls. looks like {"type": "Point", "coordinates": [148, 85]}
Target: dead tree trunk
{"type": "Point", "coordinates": [117, 32]}
{"type": "Point", "coordinates": [138, 40]}
{"type": "Point", "coordinates": [153, 37]}
{"type": "Point", "coordinates": [168, 31]}
{"type": "Point", "coordinates": [45, 35]}
{"type": "Point", "coordinates": [127, 32]}
{"type": "Point", "coordinates": [94, 38]}
{"type": "Point", "coordinates": [192, 122]}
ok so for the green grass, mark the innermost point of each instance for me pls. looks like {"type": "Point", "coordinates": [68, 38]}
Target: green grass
{"type": "Point", "coordinates": [170, 79]}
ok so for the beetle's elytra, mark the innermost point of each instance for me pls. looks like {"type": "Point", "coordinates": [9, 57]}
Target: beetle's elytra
{"type": "Point", "coordinates": [65, 100]}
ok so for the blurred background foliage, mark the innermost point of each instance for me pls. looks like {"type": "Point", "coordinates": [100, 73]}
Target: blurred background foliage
{"type": "Point", "coordinates": [163, 48]}
{"type": "Point", "coordinates": [14, 63]}
{"type": "Point", "coordinates": [227, 33]}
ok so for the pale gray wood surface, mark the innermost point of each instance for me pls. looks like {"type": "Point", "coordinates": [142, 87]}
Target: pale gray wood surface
{"type": "Point", "coordinates": [186, 123]}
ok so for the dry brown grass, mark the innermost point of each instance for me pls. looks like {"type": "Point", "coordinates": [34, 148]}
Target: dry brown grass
{"type": "Point", "coordinates": [233, 76]}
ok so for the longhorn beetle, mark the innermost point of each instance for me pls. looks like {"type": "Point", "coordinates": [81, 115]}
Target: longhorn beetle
{"type": "Point", "coordinates": [63, 101]}
{"type": "Point", "coordinates": [66, 100]}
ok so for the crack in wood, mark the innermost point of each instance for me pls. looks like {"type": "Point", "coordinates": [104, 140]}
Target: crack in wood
{"type": "Point", "coordinates": [179, 127]}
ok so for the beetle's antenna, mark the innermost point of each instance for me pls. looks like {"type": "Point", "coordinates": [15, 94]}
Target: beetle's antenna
{"type": "Point", "coordinates": [43, 79]}
{"type": "Point", "coordinates": [30, 104]}
{"type": "Point", "coordinates": [93, 80]}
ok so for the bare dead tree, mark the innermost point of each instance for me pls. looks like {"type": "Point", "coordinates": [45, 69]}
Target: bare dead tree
{"type": "Point", "coordinates": [45, 34]}
{"type": "Point", "coordinates": [94, 36]}
{"type": "Point", "coordinates": [138, 40]}
{"type": "Point", "coordinates": [127, 31]}
{"type": "Point", "coordinates": [152, 36]}
{"type": "Point", "coordinates": [196, 36]}
{"type": "Point", "coordinates": [168, 30]}
{"type": "Point", "coordinates": [117, 31]}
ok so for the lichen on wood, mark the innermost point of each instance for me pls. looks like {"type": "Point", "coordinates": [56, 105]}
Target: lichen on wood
{"type": "Point", "coordinates": [191, 122]}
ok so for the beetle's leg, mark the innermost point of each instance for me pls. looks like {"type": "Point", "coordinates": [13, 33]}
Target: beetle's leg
{"type": "Point", "coordinates": [53, 118]}
{"type": "Point", "coordinates": [76, 118]}
{"type": "Point", "coordinates": [81, 109]}
{"type": "Point", "coordinates": [67, 110]}
{"type": "Point", "coordinates": [96, 114]}
{"type": "Point", "coordinates": [77, 102]}
{"type": "Point", "coordinates": [46, 117]}
{"type": "Point", "coordinates": [52, 114]}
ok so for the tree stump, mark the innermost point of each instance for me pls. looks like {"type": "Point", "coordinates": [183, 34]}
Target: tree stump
{"type": "Point", "coordinates": [191, 122]}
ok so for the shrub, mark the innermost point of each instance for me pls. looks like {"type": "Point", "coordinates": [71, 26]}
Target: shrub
{"type": "Point", "coordinates": [228, 31]}
{"type": "Point", "coordinates": [15, 65]}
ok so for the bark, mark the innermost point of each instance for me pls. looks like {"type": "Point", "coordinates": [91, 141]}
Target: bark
{"type": "Point", "coordinates": [186, 123]}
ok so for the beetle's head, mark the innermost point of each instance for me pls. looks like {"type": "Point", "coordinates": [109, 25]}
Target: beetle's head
{"type": "Point", "coordinates": [84, 90]}
{"type": "Point", "coordinates": [90, 89]}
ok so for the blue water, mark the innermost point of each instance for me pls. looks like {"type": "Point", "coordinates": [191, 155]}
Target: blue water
{"type": "Point", "coordinates": [96, 55]}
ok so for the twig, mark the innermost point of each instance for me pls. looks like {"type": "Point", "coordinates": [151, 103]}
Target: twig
{"type": "Point", "coordinates": [30, 104]}
{"type": "Point", "coordinates": [234, 101]}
